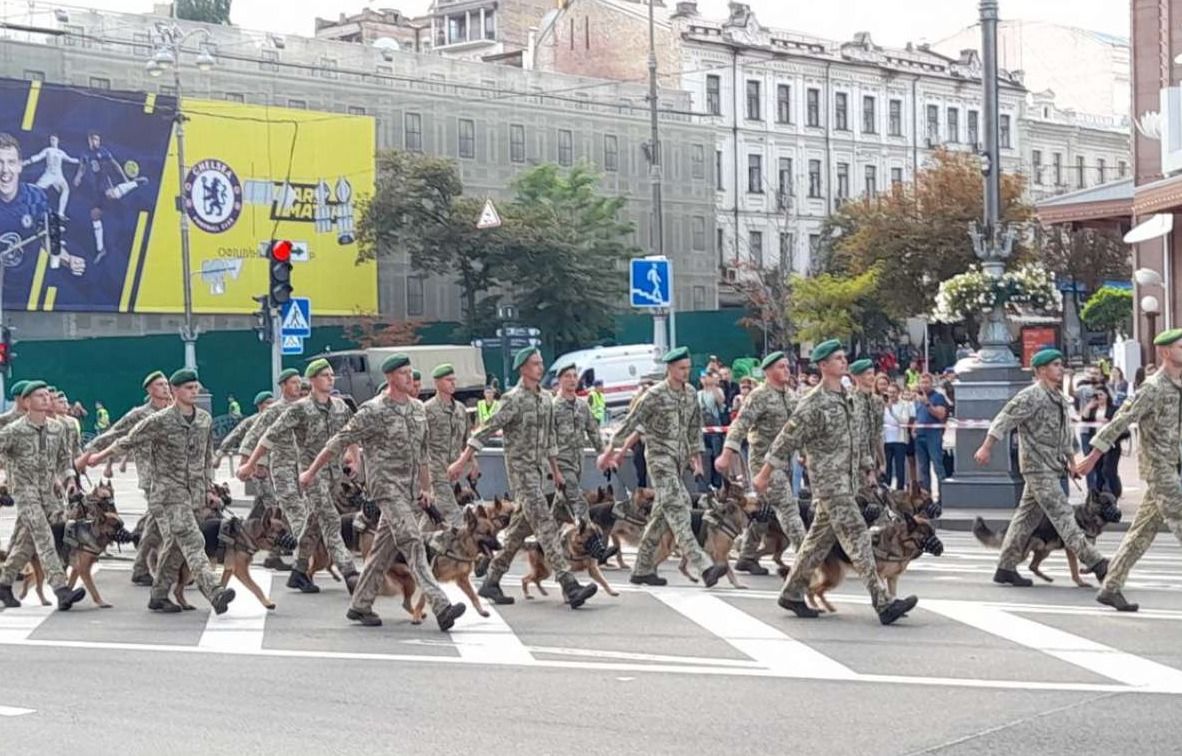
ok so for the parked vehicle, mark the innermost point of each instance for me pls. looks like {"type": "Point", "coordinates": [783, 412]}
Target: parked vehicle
{"type": "Point", "coordinates": [619, 367]}
{"type": "Point", "coordinates": [359, 371]}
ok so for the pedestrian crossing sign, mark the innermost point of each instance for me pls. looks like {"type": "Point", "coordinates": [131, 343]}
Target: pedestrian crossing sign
{"type": "Point", "coordinates": [293, 345]}
{"type": "Point", "coordinates": [489, 218]}
{"type": "Point", "coordinates": [297, 317]}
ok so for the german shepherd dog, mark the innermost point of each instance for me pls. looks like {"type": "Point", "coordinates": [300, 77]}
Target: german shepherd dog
{"type": "Point", "coordinates": [561, 511]}
{"type": "Point", "coordinates": [576, 540]}
{"type": "Point", "coordinates": [624, 521]}
{"type": "Point", "coordinates": [232, 543]}
{"type": "Point", "coordinates": [217, 501]}
{"type": "Point", "coordinates": [722, 517]}
{"type": "Point", "coordinates": [1097, 511]}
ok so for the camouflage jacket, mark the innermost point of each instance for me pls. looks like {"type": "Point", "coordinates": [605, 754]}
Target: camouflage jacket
{"type": "Point", "coordinates": [231, 444]}
{"type": "Point", "coordinates": [121, 428]}
{"type": "Point", "coordinates": [526, 418]}
{"type": "Point", "coordinates": [672, 423]}
{"type": "Point", "coordinates": [394, 439]}
{"type": "Point", "coordinates": [263, 422]}
{"type": "Point", "coordinates": [823, 427]}
{"type": "Point", "coordinates": [35, 458]}
{"type": "Point", "coordinates": [10, 417]}
{"type": "Point", "coordinates": [761, 418]}
{"type": "Point", "coordinates": [1046, 441]}
{"type": "Point", "coordinates": [1157, 410]}
{"type": "Point", "coordinates": [574, 430]}
{"type": "Point", "coordinates": [73, 430]}
{"type": "Point", "coordinates": [870, 408]}
{"type": "Point", "coordinates": [447, 433]}
{"type": "Point", "coordinates": [301, 431]}
{"type": "Point", "coordinates": [179, 450]}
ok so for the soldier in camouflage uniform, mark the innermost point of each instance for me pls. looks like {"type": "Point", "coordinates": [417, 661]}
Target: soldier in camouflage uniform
{"type": "Point", "coordinates": [526, 419]}
{"type": "Point", "coordinates": [159, 397]}
{"type": "Point", "coordinates": [672, 420]}
{"type": "Point", "coordinates": [35, 455]}
{"type": "Point", "coordinates": [1046, 449]}
{"type": "Point", "coordinates": [764, 413]}
{"type": "Point", "coordinates": [869, 416]}
{"type": "Point", "coordinates": [417, 389]}
{"type": "Point", "coordinates": [447, 434]}
{"type": "Point", "coordinates": [300, 433]}
{"type": "Point", "coordinates": [574, 430]}
{"type": "Point", "coordinates": [392, 431]}
{"type": "Point", "coordinates": [17, 410]}
{"type": "Point", "coordinates": [73, 429]}
{"type": "Point", "coordinates": [1156, 407]}
{"type": "Point", "coordinates": [824, 425]}
{"type": "Point", "coordinates": [179, 445]}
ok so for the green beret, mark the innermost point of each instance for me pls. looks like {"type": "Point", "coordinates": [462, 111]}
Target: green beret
{"type": "Point", "coordinates": [285, 375]}
{"type": "Point", "coordinates": [772, 359]}
{"type": "Point", "coordinates": [565, 367]}
{"type": "Point", "coordinates": [1047, 356]}
{"type": "Point", "coordinates": [152, 377]}
{"type": "Point", "coordinates": [262, 396]}
{"type": "Point", "coordinates": [523, 355]}
{"type": "Point", "coordinates": [315, 367]}
{"type": "Point", "coordinates": [182, 376]}
{"type": "Point", "coordinates": [52, 389]}
{"type": "Point", "coordinates": [394, 362]}
{"type": "Point", "coordinates": [418, 376]}
{"type": "Point", "coordinates": [443, 371]}
{"type": "Point", "coordinates": [857, 367]}
{"type": "Point", "coordinates": [15, 390]}
{"type": "Point", "coordinates": [676, 355]}
{"type": "Point", "coordinates": [825, 350]}
{"type": "Point", "coordinates": [31, 386]}
{"type": "Point", "coordinates": [1165, 338]}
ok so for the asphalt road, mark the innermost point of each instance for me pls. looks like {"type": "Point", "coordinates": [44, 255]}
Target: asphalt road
{"type": "Point", "coordinates": [976, 668]}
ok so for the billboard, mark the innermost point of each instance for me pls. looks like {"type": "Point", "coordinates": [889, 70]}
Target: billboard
{"type": "Point", "coordinates": [106, 162]}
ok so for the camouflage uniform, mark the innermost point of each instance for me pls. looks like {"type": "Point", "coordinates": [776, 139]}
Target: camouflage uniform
{"type": "Point", "coordinates": [10, 417]}
{"type": "Point", "coordinates": [672, 422]}
{"type": "Point", "coordinates": [1046, 443]}
{"type": "Point", "coordinates": [1157, 410]}
{"type": "Point", "coordinates": [574, 429]}
{"type": "Point", "coordinates": [526, 418]}
{"type": "Point", "coordinates": [35, 458]}
{"type": "Point", "coordinates": [231, 444]}
{"type": "Point", "coordinates": [180, 452]}
{"type": "Point", "coordinates": [764, 413]}
{"type": "Point", "coordinates": [869, 415]}
{"type": "Point", "coordinates": [298, 435]}
{"type": "Point", "coordinates": [447, 433]}
{"type": "Point", "coordinates": [151, 537]}
{"type": "Point", "coordinates": [824, 426]}
{"type": "Point", "coordinates": [73, 431]}
{"type": "Point", "coordinates": [394, 438]}
{"type": "Point", "coordinates": [282, 481]}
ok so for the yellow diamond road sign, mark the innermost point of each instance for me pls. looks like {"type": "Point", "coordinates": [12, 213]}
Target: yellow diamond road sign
{"type": "Point", "coordinates": [488, 216]}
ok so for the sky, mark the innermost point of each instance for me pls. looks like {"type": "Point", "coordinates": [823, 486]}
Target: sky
{"type": "Point", "coordinates": [890, 22]}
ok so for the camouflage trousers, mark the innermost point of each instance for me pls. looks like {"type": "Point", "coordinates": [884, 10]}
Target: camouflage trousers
{"type": "Point", "coordinates": [533, 516]}
{"type": "Point", "coordinates": [671, 511]}
{"type": "Point", "coordinates": [182, 544]}
{"type": "Point", "coordinates": [324, 521]}
{"type": "Point", "coordinates": [285, 488]}
{"type": "Point", "coordinates": [31, 537]}
{"type": "Point", "coordinates": [779, 496]}
{"type": "Point", "coordinates": [445, 502]}
{"type": "Point", "coordinates": [569, 502]}
{"type": "Point", "coordinates": [397, 532]}
{"type": "Point", "coordinates": [1162, 503]}
{"type": "Point", "coordinates": [836, 519]}
{"type": "Point", "coordinates": [150, 539]}
{"type": "Point", "coordinates": [1043, 493]}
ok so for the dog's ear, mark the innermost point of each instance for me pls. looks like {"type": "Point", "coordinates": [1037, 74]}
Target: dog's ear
{"type": "Point", "coordinates": [470, 519]}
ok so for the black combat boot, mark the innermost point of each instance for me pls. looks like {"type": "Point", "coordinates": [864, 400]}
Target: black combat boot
{"type": "Point", "coordinates": [164, 606]}
{"type": "Point", "coordinates": [751, 567]}
{"type": "Point", "coordinates": [448, 616]}
{"type": "Point", "coordinates": [651, 579]}
{"type": "Point", "coordinates": [1099, 569]}
{"type": "Point", "coordinates": [575, 594]}
{"type": "Point", "coordinates": [1116, 600]}
{"type": "Point", "coordinates": [608, 553]}
{"type": "Point", "coordinates": [301, 582]}
{"type": "Point", "coordinates": [275, 562]}
{"type": "Point", "coordinates": [798, 607]}
{"type": "Point", "coordinates": [491, 590]}
{"type": "Point", "coordinates": [221, 600]}
{"type": "Point", "coordinates": [367, 618]}
{"type": "Point", "coordinates": [711, 574]}
{"type": "Point", "coordinates": [1011, 577]}
{"type": "Point", "coordinates": [7, 598]}
{"type": "Point", "coordinates": [67, 598]}
{"type": "Point", "coordinates": [144, 580]}
{"type": "Point", "coordinates": [897, 609]}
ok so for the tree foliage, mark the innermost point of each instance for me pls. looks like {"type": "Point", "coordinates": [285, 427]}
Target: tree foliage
{"type": "Point", "coordinates": [207, 11]}
{"type": "Point", "coordinates": [368, 331]}
{"type": "Point", "coordinates": [765, 293]}
{"type": "Point", "coordinates": [1109, 310]}
{"type": "Point", "coordinates": [1084, 256]}
{"type": "Point", "coordinates": [831, 307]}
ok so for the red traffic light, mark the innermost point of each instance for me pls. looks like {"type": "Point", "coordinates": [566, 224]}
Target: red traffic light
{"type": "Point", "coordinates": [281, 251]}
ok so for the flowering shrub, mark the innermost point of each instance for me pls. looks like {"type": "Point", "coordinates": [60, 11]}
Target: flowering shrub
{"type": "Point", "coordinates": [974, 292]}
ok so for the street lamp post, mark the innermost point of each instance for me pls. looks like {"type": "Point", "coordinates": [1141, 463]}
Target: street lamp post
{"type": "Point", "coordinates": [168, 55]}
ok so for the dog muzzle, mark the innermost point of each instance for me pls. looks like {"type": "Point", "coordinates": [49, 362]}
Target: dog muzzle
{"type": "Point", "coordinates": [371, 510]}
{"type": "Point", "coordinates": [933, 511]}
{"type": "Point", "coordinates": [489, 546]}
{"type": "Point", "coordinates": [6, 501]}
{"type": "Point", "coordinates": [933, 545]}
{"type": "Point", "coordinates": [595, 547]}
{"type": "Point", "coordinates": [764, 514]}
{"type": "Point", "coordinates": [871, 512]}
{"type": "Point", "coordinates": [123, 535]}
{"type": "Point", "coordinates": [286, 541]}
{"type": "Point", "coordinates": [1111, 514]}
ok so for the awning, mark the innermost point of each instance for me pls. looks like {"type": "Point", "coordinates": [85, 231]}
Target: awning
{"type": "Point", "coordinates": [1155, 227]}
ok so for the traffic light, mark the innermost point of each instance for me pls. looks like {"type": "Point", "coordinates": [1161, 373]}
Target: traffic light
{"type": "Point", "coordinates": [280, 260]}
{"type": "Point", "coordinates": [264, 323]}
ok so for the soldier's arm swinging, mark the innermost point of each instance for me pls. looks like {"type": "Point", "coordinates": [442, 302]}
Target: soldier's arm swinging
{"type": "Point", "coordinates": [496, 422]}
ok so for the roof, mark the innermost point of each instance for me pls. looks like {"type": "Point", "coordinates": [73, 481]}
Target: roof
{"type": "Point", "coordinates": [1109, 201]}
{"type": "Point", "coordinates": [1106, 192]}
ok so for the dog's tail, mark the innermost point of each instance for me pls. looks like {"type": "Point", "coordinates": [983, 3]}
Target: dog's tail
{"type": "Point", "coordinates": [986, 536]}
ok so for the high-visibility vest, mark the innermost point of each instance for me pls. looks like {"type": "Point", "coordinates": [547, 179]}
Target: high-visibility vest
{"type": "Point", "coordinates": [485, 410]}
{"type": "Point", "coordinates": [598, 404]}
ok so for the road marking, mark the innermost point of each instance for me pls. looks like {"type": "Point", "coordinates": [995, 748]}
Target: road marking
{"type": "Point", "coordinates": [14, 711]}
{"type": "Point", "coordinates": [16, 625]}
{"type": "Point", "coordinates": [759, 640]}
{"type": "Point", "coordinates": [240, 630]}
{"type": "Point", "coordinates": [488, 640]}
{"type": "Point", "coordinates": [1106, 661]}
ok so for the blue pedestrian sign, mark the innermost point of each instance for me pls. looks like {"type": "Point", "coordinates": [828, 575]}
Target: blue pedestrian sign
{"type": "Point", "coordinates": [297, 317]}
{"type": "Point", "coordinates": [651, 282]}
{"type": "Point", "coordinates": [292, 345]}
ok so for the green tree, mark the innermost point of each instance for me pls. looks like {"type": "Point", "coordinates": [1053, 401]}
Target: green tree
{"type": "Point", "coordinates": [765, 293]}
{"type": "Point", "coordinates": [830, 306]}
{"type": "Point", "coordinates": [1109, 310]}
{"type": "Point", "coordinates": [207, 11]}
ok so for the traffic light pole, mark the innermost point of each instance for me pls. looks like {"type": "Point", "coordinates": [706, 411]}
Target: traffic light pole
{"type": "Point", "coordinates": [276, 348]}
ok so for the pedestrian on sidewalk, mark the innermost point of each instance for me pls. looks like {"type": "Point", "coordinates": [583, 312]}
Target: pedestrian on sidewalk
{"type": "Point", "coordinates": [931, 412]}
{"type": "Point", "coordinates": [102, 418]}
{"type": "Point", "coordinates": [897, 417]}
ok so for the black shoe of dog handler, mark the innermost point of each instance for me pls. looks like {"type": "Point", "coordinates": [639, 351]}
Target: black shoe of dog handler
{"type": "Point", "coordinates": [7, 598]}
{"type": "Point", "coordinates": [67, 597]}
{"type": "Point", "coordinates": [750, 566]}
{"type": "Point", "coordinates": [897, 609]}
{"type": "Point", "coordinates": [711, 575]}
{"type": "Point", "coordinates": [609, 553]}
{"type": "Point", "coordinates": [576, 595]}
{"type": "Point", "coordinates": [276, 563]}
{"type": "Point", "coordinates": [369, 619]}
{"type": "Point", "coordinates": [221, 600]}
{"type": "Point", "coordinates": [652, 579]}
{"type": "Point", "coordinates": [1116, 600]}
{"type": "Point", "coordinates": [799, 608]}
{"type": "Point", "coordinates": [164, 606]}
{"type": "Point", "coordinates": [144, 580]}
{"type": "Point", "coordinates": [448, 616]}
{"type": "Point", "coordinates": [1011, 577]}
{"type": "Point", "coordinates": [301, 582]}
{"type": "Point", "coordinates": [491, 590]}
{"type": "Point", "coordinates": [1099, 569]}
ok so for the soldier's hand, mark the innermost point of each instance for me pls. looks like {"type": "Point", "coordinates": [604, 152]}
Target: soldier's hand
{"type": "Point", "coordinates": [245, 470]}
{"type": "Point", "coordinates": [559, 481]}
{"type": "Point", "coordinates": [306, 479]}
{"type": "Point", "coordinates": [696, 467]}
{"type": "Point", "coordinates": [454, 471]}
{"type": "Point", "coordinates": [723, 463]}
{"type": "Point", "coordinates": [605, 460]}
{"type": "Point", "coordinates": [982, 455]}
{"type": "Point", "coordinates": [82, 462]}
{"type": "Point", "coordinates": [762, 480]}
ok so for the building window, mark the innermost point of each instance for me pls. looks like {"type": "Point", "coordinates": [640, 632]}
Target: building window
{"type": "Point", "coordinates": [31, 75]}
{"type": "Point", "coordinates": [783, 104]}
{"type": "Point", "coordinates": [355, 110]}
{"type": "Point", "coordinates": [753, 108]}
{"type": "Point", "coordinates": [934, 123]}
{"type": "Point", "coordinates": [611, 153]}
{"type": "Point", "coordinates": [699, 297]}
{"type": "Point", "coordinates": [755, 174]}
{"type": "Point", "coordinates": [467, 138]}
{"type": "Point", "coordinates": [99, 82]}
{"type": "Point", "coordinates": [1122, 168]}
{"type": "Point", "coordinates": [269, 60]}
{"type": "Point", "coordinates": [755, 242]}
{"type": "Point", "coordinates": [1101, 170]}
{"type": "Point", "coordinates": [328, 67]}
{"type": "Point", "coordinates": [718, 170]}
{"type": "Point", "coordinates": [787, 242]}
{"type": "Point", "coordinates": [896, 178]}
{"type": "Point", "coordinates": [1080, 178]}
{"type": "Point", "coordinates": [414, 132]}
{"type": "Point", "coordinates": [815, 178]}
{"type": "Point", "coordinates": [871, 180]}
{"type": "Point", "coordinates": [516, 143]}
{"type": "Point", "coordinates": [719, 245]}
{"type": "Point", "coordinates": [233, 97]}
{"type": "Point", "coordinates": [813, 97]}
{"type": "Point", "coordinates": [896, 118]}
{"type": "Point", "coordinates": [566, 150]}
{"type": "Point", "coordinates": [698, 234]}
{"type": "Point", "coordinates": [457, 28]}
{"type": "Point", "coordinates": [1036, 166]}
{"type": "Point", "coordinates": [785, 184]}
{"type": "Point", "coordinates": [841, 111]}
{"type": "Point", "coordinates": [953, 125]}
{"type": "Point", "coordinates": [1005, 131]}
{"type": "Point", "coordinates": [414, 296]}
{"type": "Point", "coordinates": [869, 117]}
{"type": "Point", "coordinates": [698, 161]}
{"type": "Point", "coordinates": [1057, 161]}
{"type": "Point", "coordinates": [490, 23]}
{"type": "Point", "coordinates": [843, 180]}
{"type": "Point", "coordinates": [814, 246]}
{"type": "Point", "coordinates": [713, 95]}
{"type": "Point", "coordinates": [974, 129]}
